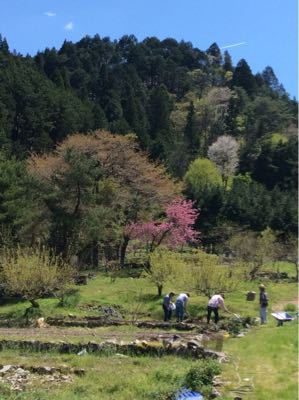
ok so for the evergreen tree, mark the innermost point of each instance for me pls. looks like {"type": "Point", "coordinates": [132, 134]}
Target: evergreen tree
{"type": "Point", "coordinates": [243, 77]}
{"type": "Point", "coordinates": [214, 54]}
{"type": "Point", "coordinates": [227, 65]}
{"type": "Point", "coordinates": [190, 133]}
{"type": "Point", "coordinates": [160, 107]}
{"type": "Point", "coordinates": [4, 49]}
{"type": "Point", "coordinates": [272, 82]}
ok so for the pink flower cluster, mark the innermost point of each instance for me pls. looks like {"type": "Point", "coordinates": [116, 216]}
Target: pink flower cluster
{"type": "Point", "coordinates": [176, 230]}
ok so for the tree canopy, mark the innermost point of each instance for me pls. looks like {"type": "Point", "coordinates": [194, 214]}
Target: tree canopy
{"type": "Point", "coordinates": [174, 101]}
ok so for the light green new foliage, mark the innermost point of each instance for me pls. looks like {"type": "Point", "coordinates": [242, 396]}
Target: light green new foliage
{"type": "Point", "coordinates": [268, 247]}
{"type": "Point", "coordinates": [202, 178]}
{"type": "Point", "coordinates": [207, 276]}
{"type": "Point", "coordinates": [32, 273]}
{"type": "Point", "coordinates": [277, 138]}
{"type": "Point", "coordinates": [165, 267]}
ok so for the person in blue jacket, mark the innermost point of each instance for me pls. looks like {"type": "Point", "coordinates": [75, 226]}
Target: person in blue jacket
{"type": "Point", "coordinates": [167, 306]}
{"type": "Point", "coordinates": [264, 300]}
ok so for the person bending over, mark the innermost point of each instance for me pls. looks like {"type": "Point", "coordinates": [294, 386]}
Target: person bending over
{"type": "Point", "coordinates": [214, 303]}
{"type": "Point", "coordinates": [181, 306]}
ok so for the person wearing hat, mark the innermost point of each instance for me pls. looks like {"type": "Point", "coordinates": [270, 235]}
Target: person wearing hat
{"type": "Point", "coordinates": [263, 304]}
{"type": "Point", "coordinates": [167, 306]}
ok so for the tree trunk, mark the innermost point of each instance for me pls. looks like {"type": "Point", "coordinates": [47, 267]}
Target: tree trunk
{"type": "Point", "coordinates": [34, 303]}
{"type": "Point", "coordinates": [160, 288]}
{"type": "Point", "coordinates": [95, 254]}
{"type": "Point", "coordinates": [123, 249]}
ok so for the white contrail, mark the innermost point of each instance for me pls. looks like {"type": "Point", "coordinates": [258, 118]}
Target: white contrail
{"type": "Point", "coordinates": [233, 45]}
{"type": "Point", "coordinates": [50, 14]}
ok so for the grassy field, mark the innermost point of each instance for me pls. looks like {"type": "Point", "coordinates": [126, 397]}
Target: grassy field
{"type": "Point", "coordinates": [138, 296]}
{"type": "Point", "coordinates": [263, 363]}
{"type": "Point", "coordinates": [266, 359]}
{"type": "Point", "coordinates": [123, 378]}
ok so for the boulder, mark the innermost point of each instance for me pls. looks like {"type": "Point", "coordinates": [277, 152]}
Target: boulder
{"type": "Point", "coordinates": [5, 369]}
{"type": "Point", "coordinates": [215, 393]}
{"type": "Point", "coordinates": [41, 323]}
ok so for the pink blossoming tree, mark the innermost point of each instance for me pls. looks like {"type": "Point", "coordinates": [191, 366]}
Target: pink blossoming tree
{"type": "Point", "coordinates": [174, 231]}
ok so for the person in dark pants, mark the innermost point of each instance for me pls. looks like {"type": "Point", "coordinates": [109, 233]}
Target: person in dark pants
{"type": "Point", "coordinates": [167, 303]}
{"type": "Point", "coordinates": [213, 305]}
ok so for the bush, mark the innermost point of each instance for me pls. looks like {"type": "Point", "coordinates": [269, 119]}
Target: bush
{"type": "Point", "coordinates": [164, 395]}
{"type": "Point", "coordinates": [70, 299]}
{"type": "Point", "coordinates": [200, 376]}
{"type": "Point", "coordinates": [290, 307]}
{"type": "Point", "coordinates": [31, 273]}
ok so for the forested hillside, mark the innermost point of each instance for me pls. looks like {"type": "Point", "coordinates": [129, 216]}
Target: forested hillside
{"type": "Point", "coordinates": [228, 134]}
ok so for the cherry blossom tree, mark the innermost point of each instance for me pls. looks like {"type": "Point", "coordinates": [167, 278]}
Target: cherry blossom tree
{"type": "Point", "coordinates": [175, 230]}
{"type": "Point", "coordinates": [224, 153]}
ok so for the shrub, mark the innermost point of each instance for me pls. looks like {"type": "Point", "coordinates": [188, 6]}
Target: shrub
{"type": "Point", "coordinates": [165, 266]}
{"type": "Point", "coordinates": [207, 276]}
{"type": "Point", "coordinates": [290, 307]}
{"type": "Point", "coordinates": [70, 298]}
{"type": "Point", "coordinates": [200, 376]}
{"type": "Point", "coordinates": [162, 395]}
{"type": "Point", "coordinates": [34, 273]}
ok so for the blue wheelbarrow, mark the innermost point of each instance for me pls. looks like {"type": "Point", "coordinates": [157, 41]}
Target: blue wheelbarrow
{"type": "Point", "coordinates": [186, 394]}
{"type": "Point", "coordinates": [282, 317]}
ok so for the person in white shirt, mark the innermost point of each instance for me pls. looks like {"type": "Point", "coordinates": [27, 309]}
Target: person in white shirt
{"type": "Point", "coordinates": [181, 306]}
{"type": "Point", "coordinates": [214, 303]}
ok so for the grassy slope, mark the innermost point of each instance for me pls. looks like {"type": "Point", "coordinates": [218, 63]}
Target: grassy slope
{"type": "Point", "coordinates": [267, 354]}
{"type": "Point", "coordinates": [139, 295]}
{"type": "Point", "coordinates": [108, 378]}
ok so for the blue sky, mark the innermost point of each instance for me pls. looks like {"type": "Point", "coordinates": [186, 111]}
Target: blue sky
{"type": "Point", "coordinates": [268, 27]}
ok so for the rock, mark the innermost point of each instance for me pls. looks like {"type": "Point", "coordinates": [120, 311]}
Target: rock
{"type": "Point", "coordinates": [81, 280]}
{"type": "Point", "coordinates": [167, 343]}
{"type": "Point", "coordinates": [176, 337]}
{"type": "Point", "coordinates": [237, 398]}
{"type": "Point", "coordinates": [5, 369]}
{"type": "Point", "coordinates": [215, 393]}
{"type": "Point", "coordinates": [121, 355]}
{"type": "Point", "coordinates": [21, 372]}
{"type": "Point", "coordinates": [176, 345]}
{"type": "Point", "coordinates": [217, 381]}
{"type": "Point", "coordinates": [193, 344]}
{"type": "Point", "coordinates": [82, 352]}
{"type": "Point", "coordinates": [111, 341]}
{"type": "Point", "coordinates": [250, 296]}
{"type": "Point", "coordinates": [45, 370]}
{"type": "Point", "coordinates": [18, 377]}
{"type": "Point", "coordinates": [240, 335]}
{"type": "Point", "coordinates": [40, 323]}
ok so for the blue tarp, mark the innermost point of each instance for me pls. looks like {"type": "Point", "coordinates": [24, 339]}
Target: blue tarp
{"type": "Point", "coordinates": [186, 394]}
{"type": "Point", "coordinates": [282, 316]}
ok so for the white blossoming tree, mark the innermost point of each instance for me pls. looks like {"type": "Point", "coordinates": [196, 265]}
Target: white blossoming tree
{"type": "Point", "coordinates": [224, 153]}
